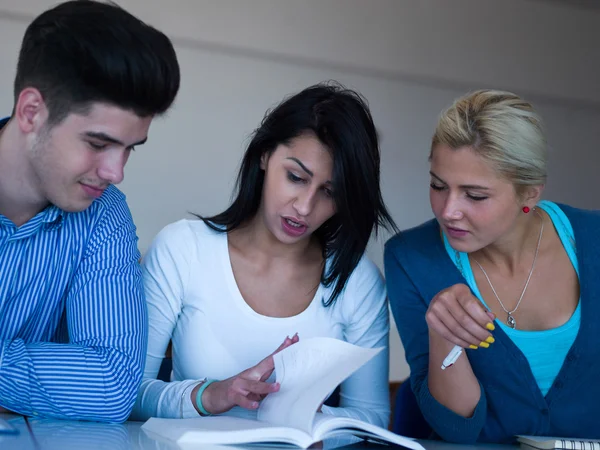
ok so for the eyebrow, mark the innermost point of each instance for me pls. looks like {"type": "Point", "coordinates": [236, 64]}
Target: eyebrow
{"type": "Point", "coordinates": [306, 169]}
{"type": "Point", "coordinates": [106, 138]}
{"type": "Point", "coordinates": [462, 186]}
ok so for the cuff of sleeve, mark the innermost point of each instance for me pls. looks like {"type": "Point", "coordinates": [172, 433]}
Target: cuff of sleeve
{"type": "Point", "coordinates": [446, 423]}
{"type": "Point", "coordinates": [188, 409]}
{"type": "Point", "coordinates": [327, 410]}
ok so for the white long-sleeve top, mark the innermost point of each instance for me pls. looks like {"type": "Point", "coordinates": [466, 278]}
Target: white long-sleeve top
{"type": "Point", "coordinates": [194, 301]}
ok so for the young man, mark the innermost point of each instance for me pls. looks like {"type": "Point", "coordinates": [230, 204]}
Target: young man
{"type": "Point", "coordinates": [90, 79]}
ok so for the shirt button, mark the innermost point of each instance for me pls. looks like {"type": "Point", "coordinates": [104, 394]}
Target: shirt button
{"type": "Point", "coordinates": [545, 411]}
{"type": "Point", "coordinates": [559, 385]}
{"type": "Point", "coordinates": [571, 357]}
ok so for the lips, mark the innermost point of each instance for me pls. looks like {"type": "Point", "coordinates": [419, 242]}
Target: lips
{"type": "Point", "coordinates": [293, 226]}
{"type": "Point", "coordinates": [93, 191]}
{"type": "Point", "coordinates": [455, 232]}
{"type": "Point", "coordinates": [455, 229]}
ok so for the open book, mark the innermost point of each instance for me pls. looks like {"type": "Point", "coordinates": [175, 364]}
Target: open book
{"type": "Point", "coordinates": [549, 443]}
{"type": "Point", "coordinates": [307, 372]}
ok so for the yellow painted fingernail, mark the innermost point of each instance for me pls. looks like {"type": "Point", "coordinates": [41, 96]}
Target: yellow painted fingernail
{"type": "Point", "coordinates": [490, 326]}
{"type": "Point", "coordinates": [490, 340]}
{"type": "Point", "coordinates": [473, 347]}
{"type": "Point", "coordinates": [484, 344]}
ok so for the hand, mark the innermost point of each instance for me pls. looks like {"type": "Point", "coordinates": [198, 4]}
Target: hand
{"type": "Point", "coordinates": [246, 389]}
{"type": "Point", "coordinates": [459, 317]}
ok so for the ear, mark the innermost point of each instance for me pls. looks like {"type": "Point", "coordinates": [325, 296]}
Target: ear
{"type": "Point", "coordinates": [264, 159]}
{"type": "Point", "coordinates": [532, 195]}
{"type": "Point", "coordinates": [31, 112]}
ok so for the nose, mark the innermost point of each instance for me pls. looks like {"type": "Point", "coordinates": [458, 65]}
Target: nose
{"type": "Point", "coordinates": [452, 210]}
{"type": "Point", "coordinates": [112, 166]}
{"type": "Point", "coordinates": [304, 202]}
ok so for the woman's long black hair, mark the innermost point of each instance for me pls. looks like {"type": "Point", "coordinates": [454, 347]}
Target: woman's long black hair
{"type": "Point", "coordinates": [341, 120]}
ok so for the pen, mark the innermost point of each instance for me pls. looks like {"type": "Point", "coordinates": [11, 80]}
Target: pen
{"type": "Point", "coordinates": [452, 357]}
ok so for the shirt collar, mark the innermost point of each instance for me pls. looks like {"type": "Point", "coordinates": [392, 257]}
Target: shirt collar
{"type": "Point", "coordinates": [53, 214]}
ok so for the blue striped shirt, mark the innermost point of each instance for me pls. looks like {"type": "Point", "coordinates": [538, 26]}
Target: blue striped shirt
{"type": "Point", "coordinates": [73, 322]}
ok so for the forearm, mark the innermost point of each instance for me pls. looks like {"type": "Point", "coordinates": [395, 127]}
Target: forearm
{"type": "Point", "coordinates": [440, 400]}
{"type": "Point", "coordinates": [69, 381]}
{"type": "Point", "coordinates": [171, 400]}
{"type": "Point", "coordinates": [456, 388]}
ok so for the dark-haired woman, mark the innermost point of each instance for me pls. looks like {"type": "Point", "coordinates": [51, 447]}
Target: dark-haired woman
{"type": "Point", "coordinates": [286, 259]}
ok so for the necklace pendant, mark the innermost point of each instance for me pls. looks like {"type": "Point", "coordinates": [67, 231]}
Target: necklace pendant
{"type": "Point", "coordinates": [511, 322]}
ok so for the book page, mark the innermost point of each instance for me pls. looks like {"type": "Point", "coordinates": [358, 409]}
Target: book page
{"type": "Point", "coordinates": [221, 430]}
{"type": "Point", "coordinates": [327, 426]}
{"type": "Point", "coordinates": [309, 371]}
{"type": "Point", "coordinates": [549, 442]}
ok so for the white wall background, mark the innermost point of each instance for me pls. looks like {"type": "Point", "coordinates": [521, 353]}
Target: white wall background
{"type": "Point", "coordinates": [410, 58]}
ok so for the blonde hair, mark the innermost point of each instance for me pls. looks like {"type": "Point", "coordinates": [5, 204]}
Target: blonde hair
{"type": "Point", "coordinates": [500, 127]}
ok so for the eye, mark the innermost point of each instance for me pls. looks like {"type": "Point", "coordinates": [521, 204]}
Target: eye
{"type": "Point", "coordinates": [435, 187]}
{"type": "Point", "coordinates": [477, 198]}
{"type": "Point", "coordinates": [328, 192]}
{"type": "Point", "coordinates": [131, 149]}
{"type": "Point", "coordinates": [294, 178]}
{"type": "Point", "coordinates": [96, 146]}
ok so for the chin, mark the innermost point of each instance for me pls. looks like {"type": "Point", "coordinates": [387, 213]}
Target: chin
{"type": "Point", "coordinates": [287, 239]}
{"type": "Point", "coordinates": [463, 247]}
{"type": "Point", "coordinates": [74, 207]}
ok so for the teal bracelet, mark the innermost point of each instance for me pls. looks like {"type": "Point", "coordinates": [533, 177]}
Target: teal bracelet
{"type": "Point", "coordinates": [206, 383]}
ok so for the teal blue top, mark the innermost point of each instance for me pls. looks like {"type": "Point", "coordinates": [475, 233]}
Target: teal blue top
{"type": "Point", "coordinates": [545, 350]}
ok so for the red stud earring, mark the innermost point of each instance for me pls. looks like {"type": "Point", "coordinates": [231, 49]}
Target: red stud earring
{"type": "Point", "coordinates": [526, 209]}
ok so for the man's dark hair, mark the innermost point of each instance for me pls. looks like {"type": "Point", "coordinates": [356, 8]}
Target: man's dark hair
{"type": "Point", "coordinates": [82, 52]}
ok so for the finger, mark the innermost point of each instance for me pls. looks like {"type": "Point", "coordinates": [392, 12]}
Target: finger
{"type": "Point", "coordinates": [262, 370]}
{"type": "Point", "coordinates": [469, 312]}
{"type": "Point", "coordinates": [438, 326]}
{"type": "Point", "coordinates": [261, 387]}
{"type": "Point", "coordinates": [255, 397]}
{"type": "Point", "coordinates": [456, 329]}
{"type": "Point", "coordinates": [244, 402]}
{"type": "Point", "coordinates": [465, 321]}
{"type": "Point", "coordinates": [286, 343]}
{"type": "Point", "coordinates": [471, 305]}
{"type": "Point", "coordinates": [450, 313]}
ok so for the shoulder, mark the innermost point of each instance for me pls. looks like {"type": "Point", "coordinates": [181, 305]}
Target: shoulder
{"type": "Point", "coordinates": [419, 238]}
{"type": "Point", "coordinates": [366, 284]}
{"type": "Point", "coordinates": [110, 210]}
{"type": "Point", "coordinates": [107, 222]}
{"type": "Point", "coordinates": [112, 203]}
{"type": "Point", "coordinates": [364, 298]}
{"type": "Point", "coordinates": [586, 229]}
{"type": "Point", "coordinates": [579, 216]}
{"type": "Point", "coordinates": [185, 233]}
{"type": "Point", "coordinates": [417, 258]}
{"type": "Point", "coordinates": [365, 271]}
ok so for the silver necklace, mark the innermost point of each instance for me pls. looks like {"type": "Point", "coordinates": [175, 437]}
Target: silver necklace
{"type": "Point", "coordinates": [510, 320]}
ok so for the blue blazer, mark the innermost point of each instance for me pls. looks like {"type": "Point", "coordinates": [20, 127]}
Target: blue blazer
{"type": "Point", "coordinates": [417, 267]}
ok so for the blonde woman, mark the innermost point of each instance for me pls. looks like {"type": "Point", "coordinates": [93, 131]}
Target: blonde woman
{"type": "Point", "coordinates": [507, 277]}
